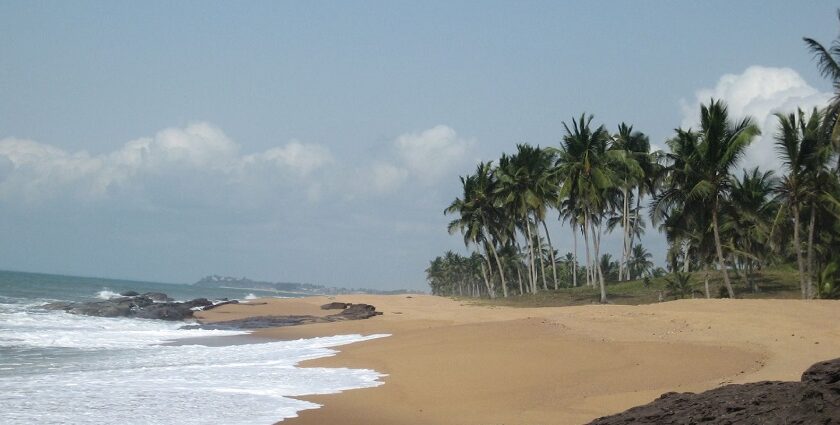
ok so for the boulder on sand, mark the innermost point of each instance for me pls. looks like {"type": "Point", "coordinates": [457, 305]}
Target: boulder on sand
{"type": "Point", "coordinates": [813, 400]}
{"type": "Point", "coordinates": [335, 306]}
{"type": "Point", "coordinates": [354, 312]}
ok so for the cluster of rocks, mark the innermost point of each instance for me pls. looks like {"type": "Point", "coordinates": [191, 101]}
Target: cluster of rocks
{"type": "Point", "coordinates": [151, 305]}
{"type": "Point", "coordinates": [813, 400]}
{"type": "Point", "coordinates": [348, 312]}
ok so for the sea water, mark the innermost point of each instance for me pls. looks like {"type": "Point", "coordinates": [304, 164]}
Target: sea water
{"type": "Point", "coordinates": [58, 368]}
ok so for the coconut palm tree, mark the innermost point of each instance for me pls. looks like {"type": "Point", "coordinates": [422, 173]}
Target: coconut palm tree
{"type": "Point", "coordinates": [640, 262]}
{"type": "Point", "coordinates": [828, 62]}
{"type": "Point", "coordinates": [748, 218]}
{"type": "Point", "coordinates": [704, 162]}
{"type": "Point", "coordinates": [476, 218]}
{"type": "Point", "coordinates": [587, 170]}
{"type": "Point", "coordinates": [800, 147]}
{"type": "Point", "coordinates": [524, 189]}
{"type": "Point", "coordinates": [634, 146]}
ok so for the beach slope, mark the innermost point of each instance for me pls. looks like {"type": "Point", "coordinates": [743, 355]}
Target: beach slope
{"type": "Point", "coordinates": [449, 362]}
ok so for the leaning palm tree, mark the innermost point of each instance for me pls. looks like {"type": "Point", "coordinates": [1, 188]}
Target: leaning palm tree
{"type": "Point", "coordinates": [525, 189]}
{"type": "Point", "coordinates": [476, 210]}
{"type": "Point", "coordinates": [828, 62]}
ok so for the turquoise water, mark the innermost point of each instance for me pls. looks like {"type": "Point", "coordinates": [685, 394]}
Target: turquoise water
{"type": "Point", "coordinates": [59, 368]}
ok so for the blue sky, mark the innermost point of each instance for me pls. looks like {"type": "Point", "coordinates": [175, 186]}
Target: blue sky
{"type": "Point", "coordinates": [320, 141]}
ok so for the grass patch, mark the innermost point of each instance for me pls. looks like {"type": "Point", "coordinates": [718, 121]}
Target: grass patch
{"type": "Point", "coordinates": [781, 282]}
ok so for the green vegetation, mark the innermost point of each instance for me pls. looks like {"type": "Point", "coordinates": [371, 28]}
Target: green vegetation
{"type": "Point", "coordinates": [775, 283]}
{"type": "Point", "coordinates": [726, 229]}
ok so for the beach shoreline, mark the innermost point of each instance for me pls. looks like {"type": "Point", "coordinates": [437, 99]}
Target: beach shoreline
{"type": "Point", "coordinates": [451, 362]}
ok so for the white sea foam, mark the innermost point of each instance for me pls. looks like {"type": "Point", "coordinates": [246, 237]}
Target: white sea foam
{"type": "Point", "coordinates": [106, 294]}
{"type": "Point", "coordinates": [251, 296]}
{"type": "Point", "coordinates": [125, 377]}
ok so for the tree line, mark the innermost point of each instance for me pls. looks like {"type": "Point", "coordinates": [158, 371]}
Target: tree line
{"type": "Point", "coordinates": [713, 215]}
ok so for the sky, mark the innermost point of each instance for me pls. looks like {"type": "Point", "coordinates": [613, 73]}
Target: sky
{"type": "Point", "coordinates": [320, 141]}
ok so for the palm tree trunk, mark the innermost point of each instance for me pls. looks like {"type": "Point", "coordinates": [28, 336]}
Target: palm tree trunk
{"type": "Point", "coordinates": [532, 268]}
{"type": "Point", "coordinates": [574, 255]}
{"type": "Point", "coordinates": [486, 279]}
{"type": "Point", "coordinates": [553, 259]}
{"type": "Point", "coordinates": [622, 270]}
{"type": "Point", "coordinates": [739, 270]}
{"type": "Point", "coordinates": [539, 251]}
{"type": "Point", "coordinates": [588, 257]}
{"type": "Point", "coordinates": [519, 277]}
{"type": "Point", "coordinates": [501, 270]}
{"type": "Point", "coordinates": [706, 279]}
{"type": "Point", "coordinates": [598, 266]}
{"type": "Point", "coordinates": [797, 244]}
{"type": "Point", "coordinates": [491, 291]}
{"type": "Point", "coordinates": [810, 289]}
{"type": "Point", "coordinates": [719, 249]}
{"type": "Point", "coordinates": [636, 221]}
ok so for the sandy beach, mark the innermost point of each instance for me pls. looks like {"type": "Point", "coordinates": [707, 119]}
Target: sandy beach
{"type": "Point", "coordinates": [449, 362]}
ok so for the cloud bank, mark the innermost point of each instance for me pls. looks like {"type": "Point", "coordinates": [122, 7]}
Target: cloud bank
{"type": "Point", "coordinates": [199, 165]}
{"type": "Point", "coordinates": [759, 92]}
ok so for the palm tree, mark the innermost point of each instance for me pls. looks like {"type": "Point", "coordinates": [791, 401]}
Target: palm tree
{"type": "Point", "coordinates": [586, 166]}
{"type": "Point", "coordinates": [828, 62]}
{"type": "Point", "coordinates": [477, 212]}
{"type": "Point", "coordinates": [748, 217]}
{"type": "Point", "coordinates": [679, 285]}
{"type": "Point", "coordinates": [524, 189]}
{"type": "Point", "coordinates": [703, 172]}
{"type": "Point", "coordinates": [799, 145]}
{"type": "Point", "coordinates": [635, 147]}
{"type": "Point", "coordinates": [640, 262]}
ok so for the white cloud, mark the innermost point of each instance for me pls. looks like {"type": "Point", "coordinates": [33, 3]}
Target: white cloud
{"type": "Point", "coordinates": [758, 92]}
{"type": "Point", "coordinates": [431, 154]}
{"type": "Point", "coordinates": [188, 162]}
{"type": "Point", "coordinates": [297, 156]}
{"type": "Point", "coordinates": [422, 158]}
{"type": "Point", "coordinates": [387, 177]}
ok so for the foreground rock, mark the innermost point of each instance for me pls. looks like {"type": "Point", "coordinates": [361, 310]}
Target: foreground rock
{"type": "Point", "coordinates": [813, 400]}
{"type": "Point", "coordinates": [151, 305]}
{"type": "Point", "coordinates": [351, 312]}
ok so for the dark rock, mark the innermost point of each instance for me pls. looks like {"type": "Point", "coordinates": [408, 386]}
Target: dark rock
{"type": "Point", "coordinates": [134, 302]}
{"type": "Point", "coordinates": [814, 400]}
{"type": "Point", "coordinates": [129, 294]}
{"type": "Point", "coordinates": [258, 322]}
{"type": "Point", "coordinates": [101, 309]}
{"type": "Point", "coordinates": [826, 374]}
{"type": "Point", "coordinates": [198, 302]}
{"type": "Point", "coordinates": [165, 311]}
{"type": "Point", "coordinates": [226, 302]}
{"type": "Point", "coordinates": [335, 306]}
{"type": "Point", "coordinates": [354, 312]}
{"type": "Point", "coordinates": [143, 306]}
{"type": "Point", "coordinates": [157, 296]}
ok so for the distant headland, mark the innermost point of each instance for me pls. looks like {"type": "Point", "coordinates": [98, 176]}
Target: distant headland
{"type": "Point", "coordinates": [216, 281]}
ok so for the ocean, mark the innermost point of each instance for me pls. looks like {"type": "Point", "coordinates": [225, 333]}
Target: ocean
{"type": "Point", "coordinates": [59, 368]}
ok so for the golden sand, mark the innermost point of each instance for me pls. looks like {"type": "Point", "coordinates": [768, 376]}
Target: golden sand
{"type": "Point", "coordinates": [449, 362]}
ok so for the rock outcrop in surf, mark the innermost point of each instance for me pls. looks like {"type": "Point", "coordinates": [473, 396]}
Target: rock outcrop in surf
{"type": "Point", "coordinates": [151, 305]}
